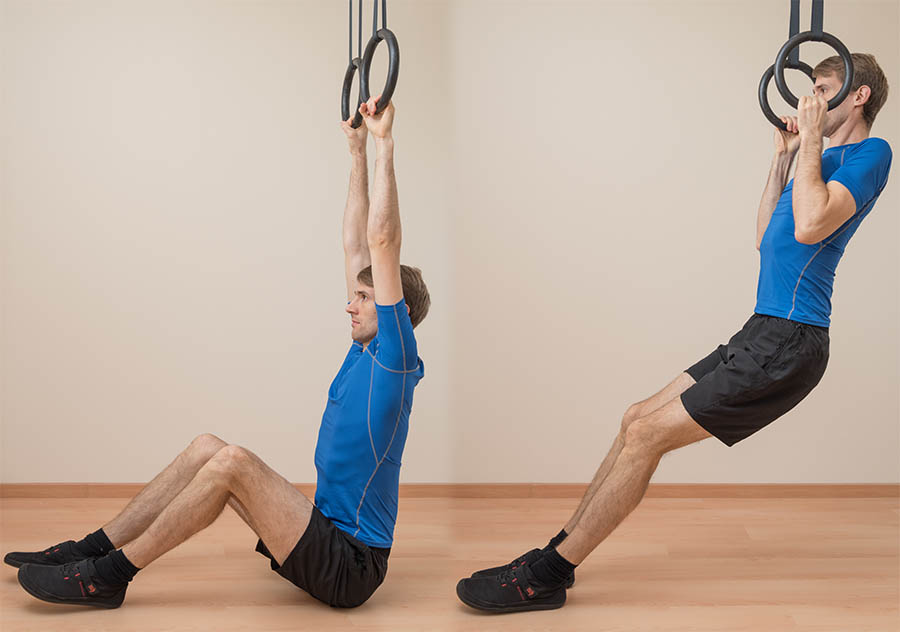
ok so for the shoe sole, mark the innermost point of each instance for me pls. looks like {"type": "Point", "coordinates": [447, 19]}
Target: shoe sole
{"type": "Point", "coordinates": [37, 593]}
{"type": "Point", "coordinates": [18, 564]}
{"type": "Point", "coordinates": [519, 607]}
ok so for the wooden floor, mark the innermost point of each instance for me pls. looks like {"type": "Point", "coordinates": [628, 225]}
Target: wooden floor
{"type": "Point", "coordinates": [693, 565]}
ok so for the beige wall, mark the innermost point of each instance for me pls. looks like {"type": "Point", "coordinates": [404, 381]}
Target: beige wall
{"type": "Point", "coordinates": [581, 200]}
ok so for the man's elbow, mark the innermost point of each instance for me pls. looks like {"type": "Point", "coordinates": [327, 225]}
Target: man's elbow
{"type": "Point", "coordinates": [806, 235]}
{"type": "Point", "coordinates": [384, 239]}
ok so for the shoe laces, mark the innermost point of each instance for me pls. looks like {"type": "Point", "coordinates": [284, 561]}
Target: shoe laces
{"type": "Point", "coordinates": [70, 570]}
{"type": "Point", "coordinates": [507, 577]}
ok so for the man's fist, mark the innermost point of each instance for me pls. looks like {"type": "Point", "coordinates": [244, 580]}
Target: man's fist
{"type": "Point", "coordinates": [379, 124]}
{"type": "Point", "coordinates": [355, 137]}
{"type": "Point", "coordinates": [811, 111]}
{"type": "Point", "coordinates": [787, 141]}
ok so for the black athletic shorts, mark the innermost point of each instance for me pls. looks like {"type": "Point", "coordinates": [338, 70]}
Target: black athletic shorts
{"type": "Point", "coordinates": [332, 565]}
{"type": "Point", "coordinates": [764, 371]}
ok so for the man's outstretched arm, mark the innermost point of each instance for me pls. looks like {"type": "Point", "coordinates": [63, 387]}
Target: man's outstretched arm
{"type": "Point", "coordinates": [383, 231]}
{"type": "Point", "coordinates": [819, 207]}
{"type": "Point", "coordinates": [786, 144]}
{"type": "Point", "coordinates": [356, 213]}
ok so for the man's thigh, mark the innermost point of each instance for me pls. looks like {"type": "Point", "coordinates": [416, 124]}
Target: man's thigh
{"type": "Point", "coordinates": [669, 392]}
{"type": "Point", "coordinates": [274, 509]}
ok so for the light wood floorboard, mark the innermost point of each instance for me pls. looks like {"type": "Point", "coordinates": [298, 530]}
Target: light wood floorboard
{"type": "Point", "coordinates": [679, 564]}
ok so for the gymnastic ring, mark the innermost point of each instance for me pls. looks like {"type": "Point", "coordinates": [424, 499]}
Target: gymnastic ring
{"type": "Point", "coordinates": [812, 36]}
{"type": "Point", "coordinates": [345, 95]}
{"type": "Point", "coordinates": [764, 92]}
{"type": "Point", "coordinates": [393, 68]}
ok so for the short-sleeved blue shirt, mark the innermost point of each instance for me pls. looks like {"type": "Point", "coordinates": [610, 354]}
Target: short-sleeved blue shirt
{"type": "Point", "coordinates": [796, 280]}
{"type": "Point", "coordinates": [363, 431]}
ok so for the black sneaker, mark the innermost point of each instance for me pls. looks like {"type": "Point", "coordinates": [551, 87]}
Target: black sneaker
{"type": "Point", "coordinates": [511, 591]}
{"type": "Point", "coordinates": [72, 583]}
{"type": "Point", "coordinates": [527, 558]}
{"type": "Point", "coordinates": [61, 553]}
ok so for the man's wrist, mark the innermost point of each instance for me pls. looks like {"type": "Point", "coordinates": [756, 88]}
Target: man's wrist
{"type": "Point", "coordinates": [811, 139]}
{"type": "Point", "coordinates": [785, 155]}
{"type": "Point", "coordinates": [384, 142]}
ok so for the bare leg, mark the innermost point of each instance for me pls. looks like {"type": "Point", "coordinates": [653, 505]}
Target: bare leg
{"type": "Point", "coordinates": [273, 507]}
{"type": "Point", "coordinates": [150, 501]}
{"type": "Point", "coordinates": [643, 408]}
{"type": "Point", "coordinates": [646, 440]}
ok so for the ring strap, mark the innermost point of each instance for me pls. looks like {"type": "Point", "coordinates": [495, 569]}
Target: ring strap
{"type": "Point", "coordinates": [794, 57]}
{"type": "Point", "coordinates": [818, 11]}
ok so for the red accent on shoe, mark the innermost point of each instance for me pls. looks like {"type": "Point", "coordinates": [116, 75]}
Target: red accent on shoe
{"type": "Point", "coordinates": [91, 588]}
{"type": "Point", "coordinates": [65, 578]}
{"type": "Point", "coordinates": [515, 579]}
{"type": "Point", "coordinates": [82, 589]}
{"type": "Point", "coordinates": [520, 593]}
{"type": "Point", "coordinates": [77, 574]}
{"type": "Point", "coordinates": [55, 551]}
{"type": "Point", "coordinates": [530, 591]}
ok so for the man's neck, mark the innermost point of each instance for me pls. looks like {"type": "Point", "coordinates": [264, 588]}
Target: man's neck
{"type": "Point", "coordinates": [852, 131]}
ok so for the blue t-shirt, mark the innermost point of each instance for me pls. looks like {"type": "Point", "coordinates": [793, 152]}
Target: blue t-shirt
{"type": "Point", "coordinates": [364, 430]}
{"type": "Point", "coordinates": [796, 280]}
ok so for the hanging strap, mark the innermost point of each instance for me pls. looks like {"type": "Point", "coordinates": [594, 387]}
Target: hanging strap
{"type": "Point", "coordinates": [358, 34]}
{"type": "Point", "coordinates": [818, 10]}
{"type": "Point", "coordinates": [375, 15]}
{"type": "Point", "coordinates": [794, 57]}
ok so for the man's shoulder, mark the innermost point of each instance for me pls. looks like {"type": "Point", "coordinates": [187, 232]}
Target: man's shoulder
{"type": "Point", "coordinates": [874, 147]}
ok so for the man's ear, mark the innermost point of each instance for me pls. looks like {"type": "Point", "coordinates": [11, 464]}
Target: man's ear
{"type": "Point", "coordinates": [863, 94]}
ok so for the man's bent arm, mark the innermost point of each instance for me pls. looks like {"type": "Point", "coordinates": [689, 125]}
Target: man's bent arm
{"type": "Point", "coordinates": [819, 208]}
{"type": "Point", "coordinates": [778, 177]}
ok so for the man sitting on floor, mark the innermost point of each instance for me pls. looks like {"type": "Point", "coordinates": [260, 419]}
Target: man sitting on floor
{"type": "Point", "coordinates": [336, 549]}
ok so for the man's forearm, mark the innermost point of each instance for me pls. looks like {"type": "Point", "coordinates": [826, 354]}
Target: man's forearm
{"type": "Point", "coordinates": [810, 196]}
{"type": "Point", "coordinates": [356, 213]}
{"type": "Point", "coordinates": [384, 216]}
{"type": "Point", "coordinates": [778, 177]}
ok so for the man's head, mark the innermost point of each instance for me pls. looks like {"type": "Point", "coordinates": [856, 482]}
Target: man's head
{"type": "Point", "coordinates": [868, 92]}
{"type": "Point", "coordinates": [364, 320]}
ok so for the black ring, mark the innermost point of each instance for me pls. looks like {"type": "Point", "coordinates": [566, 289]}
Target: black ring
{"type": "Point", "coordinates": [393, 68]}
{"type": "Point", "coordinates": [764, 92]}
{"type": "Point", "coordinates": [345, 95]}
{"type": "Point", "coordinates": [811, 36]}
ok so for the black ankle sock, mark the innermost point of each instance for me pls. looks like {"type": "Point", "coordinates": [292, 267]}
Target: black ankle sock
{"type": "Point", "coordinates": [552, 569]}
{"type": "Point", "coordinates": [115, 569]}
{"type": "Point", "coordinates": [556, 540]}
{"type": "Point", "coordinates": [94, 544]}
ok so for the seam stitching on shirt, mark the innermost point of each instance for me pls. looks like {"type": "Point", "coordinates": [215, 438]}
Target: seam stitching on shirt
{"type": "Point", "coordinates": [396, 422]}
{"type": "Point", "coordinates": [389, 369]}
{"type": "Point", "coordinates": [816, 254]}
{"type": "Point", "coordinates": [369, 410]}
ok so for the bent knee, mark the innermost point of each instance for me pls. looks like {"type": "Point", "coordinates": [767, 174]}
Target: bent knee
{"type": "Point", "coordinates": [644, 435]}
{"type": "Point", "coordinates": [230, 460]}
{"type": "Point", "coordinates": [205, 446]}
{"type": "Point", "coordinates": [631, 415]}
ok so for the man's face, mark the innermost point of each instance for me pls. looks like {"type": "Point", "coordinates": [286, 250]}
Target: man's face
{"type": "Point", "coordinates": [363, 318]}
{"type": "Point", "coordinates": [827, 86]}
